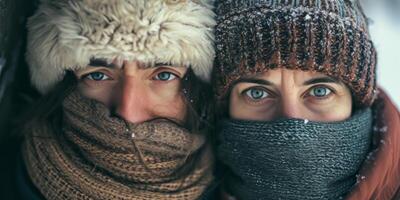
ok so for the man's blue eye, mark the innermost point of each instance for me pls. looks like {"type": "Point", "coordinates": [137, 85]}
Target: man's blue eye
{"type": "Point", "coordinates": [256, 94]}
{"type": "Point", "coordinates": [320, 91]}
{"type": "Point", "coordinates": [165, 76]}
{"type": "Point", "coordinates": [97, 76]}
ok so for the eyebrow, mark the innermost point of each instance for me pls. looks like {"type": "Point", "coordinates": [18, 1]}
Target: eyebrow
{"type": "Point", "coordinates": [98, 62]}
{"type": "Point", "coordinates": [312, 81]}
{"type": "Point", "coordinates": [162, 64]}
{"type": "Point", "coordinates": [253, 80]}
{"type": "Point", "coordinates": [321, 80]}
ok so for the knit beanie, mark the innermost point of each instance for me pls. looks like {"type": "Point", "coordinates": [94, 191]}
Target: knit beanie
{"type": "Point", "coordinates": [326, 36]}
{"type": "Point", "coordinates": [67, 34]}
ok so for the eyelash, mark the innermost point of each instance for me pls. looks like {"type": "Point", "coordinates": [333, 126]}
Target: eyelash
{"type": "Point", "coordinates": [88, 76]}
{"type": "Point", "coordinates": [161, 70]}
{"type": "Point", "coordinates": [270, 94]}
{"type": "Point", "coordinates": [105, 77]}
{"type": "Point", "coordinates": [174, 76]}
{"type": "Point", "coordinates": [331, 92]}
{"type": "Point", "coordinates": [251, 100]}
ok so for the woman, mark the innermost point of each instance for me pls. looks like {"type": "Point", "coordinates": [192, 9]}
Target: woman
{"type": "Point", "coordinates": [296, 88]}
{"type": "Point", "coordinates": [125, 99]}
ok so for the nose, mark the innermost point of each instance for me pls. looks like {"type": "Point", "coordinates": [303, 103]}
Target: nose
{"type": "Point", "coordinates": [290, 109]}
{"type": "Point", "coordinates": [133, 103]}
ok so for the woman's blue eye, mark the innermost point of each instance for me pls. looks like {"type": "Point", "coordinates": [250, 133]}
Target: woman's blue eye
{"type": "Point", "coordinates": [320, 91]}
{"type": "Point", "coordinates": [165, 76]}
{"type": "Point", "coordinates": [97, 76]}
{"type": "Point", "coordinates": [256, 94]}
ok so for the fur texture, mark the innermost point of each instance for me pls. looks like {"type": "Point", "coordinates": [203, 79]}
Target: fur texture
{"type": "Point", "coordinates": [65, 35]}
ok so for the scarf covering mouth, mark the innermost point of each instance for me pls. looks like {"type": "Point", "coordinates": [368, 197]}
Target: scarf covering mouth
{"type": "Point", "coordinates": [96, 156]}
{"type": "Point", "coordinates": [294, 158]}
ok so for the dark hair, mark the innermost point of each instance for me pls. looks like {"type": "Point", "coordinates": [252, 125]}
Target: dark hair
{"type": "Point", "coordinates": [47, 108]}
{"type": "Point", "coordinates": [199, 98]}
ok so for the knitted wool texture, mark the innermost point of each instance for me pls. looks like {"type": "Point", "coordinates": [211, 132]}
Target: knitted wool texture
{"type": "Point", "coordinates": [292, 159]}
{"type": "Point", "coordinates": [67, 34]}
{"type": "Point", "coordinates": [100, 157]}
{"type": "Point", "coordinates": [327, 36]}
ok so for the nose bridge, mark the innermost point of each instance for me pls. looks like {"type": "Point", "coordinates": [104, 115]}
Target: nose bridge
{"type": "Point", "coordinates": [290, 103]}
{"type": "Point", "coordinates": [290, 108]}
{"type": "Point", "coordinates": [133, 102]}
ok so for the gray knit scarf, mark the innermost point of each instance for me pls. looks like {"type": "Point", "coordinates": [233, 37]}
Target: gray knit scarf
{"type": "Point", "coordinates": [293, 158]}
{"type": "Point", "coordinates": [97, 156]}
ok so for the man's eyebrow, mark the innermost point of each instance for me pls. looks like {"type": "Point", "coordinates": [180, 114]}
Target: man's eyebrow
{"type": "Point", "coordinates": [162, 64]}
{"type": "Point", "coordinates": [325, 79]}
{"type": "Point", "coordinates": [98, 62]}
{"type": "Point", "coordinates": [253, 80]}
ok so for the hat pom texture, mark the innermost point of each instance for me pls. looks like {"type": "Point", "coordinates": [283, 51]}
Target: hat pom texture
{"type": "Point", "coordinates": [67, 34]}
{"type": "Point", "coordinates": [327, 36]}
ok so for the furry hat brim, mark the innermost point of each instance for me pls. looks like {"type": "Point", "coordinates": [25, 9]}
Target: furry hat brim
{"type": "Point", "coordinates": [66, 35]}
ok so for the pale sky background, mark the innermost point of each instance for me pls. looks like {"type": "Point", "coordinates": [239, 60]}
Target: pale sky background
{"type": "Point", "coordinates": [385, 33]}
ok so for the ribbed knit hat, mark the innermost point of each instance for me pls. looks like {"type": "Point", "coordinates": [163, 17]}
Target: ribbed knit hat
{"type": "Point", "coordinates": [67, 34]}
{"type": "Point", "coordinates": [327, 36]}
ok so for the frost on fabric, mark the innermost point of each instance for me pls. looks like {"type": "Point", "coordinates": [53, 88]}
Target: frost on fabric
{"type": "Point", "coordinates": [380, 129]}
{"type": "Point", "coordinates": [306, 121]}
{"type": "Point", "coordinates": [360, 178]}
{"type": "Point", "coordinates": [371, 156]}
{"type": "Point", "coordinates": [308, 17]}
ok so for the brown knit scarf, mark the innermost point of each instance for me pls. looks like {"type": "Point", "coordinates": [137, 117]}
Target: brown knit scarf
{"type": "Point", "coordinates": [101, 157]}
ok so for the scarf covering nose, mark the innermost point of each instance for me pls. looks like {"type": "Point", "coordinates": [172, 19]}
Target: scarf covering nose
{"type": "Point", "coordinates": [101, 157]}
{"type": "Point", "coordinates": [294, 158]}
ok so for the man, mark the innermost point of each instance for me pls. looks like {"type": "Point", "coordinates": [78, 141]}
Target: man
{"type": "Point", "coordinates": [125, 101]}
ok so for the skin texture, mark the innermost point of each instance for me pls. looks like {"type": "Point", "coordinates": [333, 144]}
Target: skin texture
{"type": "Point", "coordinates": [283, 93]}
{"type": "Point", "coordinates": [134, 92]}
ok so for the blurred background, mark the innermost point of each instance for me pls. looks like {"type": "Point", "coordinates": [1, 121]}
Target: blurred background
{"type": "Point", "coordinates": [385, 32]}
{"type": "Point", "coordinates": [14, 81]}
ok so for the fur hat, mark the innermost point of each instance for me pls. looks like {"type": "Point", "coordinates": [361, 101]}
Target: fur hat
{"type": "Point", "coordinates": [67, 34]}
{"type": "Point", "coordinates": [327, 36]}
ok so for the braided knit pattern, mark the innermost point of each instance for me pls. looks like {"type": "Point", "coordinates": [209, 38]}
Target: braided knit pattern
{"type": "Point", "coordinates": [102, 157]}
{"type": "Point", "coordinates": [327, 36]}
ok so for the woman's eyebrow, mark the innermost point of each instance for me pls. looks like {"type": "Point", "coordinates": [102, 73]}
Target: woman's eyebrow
{"type": "Point", "coordinates": [254, 80]}
{"type": "Point", "coordinates": [326, 79]}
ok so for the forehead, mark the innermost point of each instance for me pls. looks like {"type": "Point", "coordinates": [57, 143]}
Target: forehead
{"type": "Point", "coordinates": [281, 74]}
{"type": "Point", "coordinates": [120, 63]}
